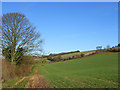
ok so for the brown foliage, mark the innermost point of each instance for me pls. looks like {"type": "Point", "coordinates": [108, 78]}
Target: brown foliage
{"type": "Point", "coordinates": [10, 71]}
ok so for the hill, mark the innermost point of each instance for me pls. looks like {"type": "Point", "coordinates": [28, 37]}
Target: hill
{"type": "Point", "coordinates": [96, 71]}
{"type": "Point", "coordinates": [99, 70]}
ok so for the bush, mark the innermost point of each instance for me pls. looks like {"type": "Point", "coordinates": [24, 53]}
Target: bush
{"type": "Point", "coordinates": [82, 55]}
{"type": "Point", "coordinates": [73, 57]}
{"type": "Point", "coordinates": [18, 55]}
{"type": "Point", "coordinates": [49, 58]}
{"type": "Point", "coordinates": [57, 58]}
{"type": "Point", "coordinates": [10, 71]}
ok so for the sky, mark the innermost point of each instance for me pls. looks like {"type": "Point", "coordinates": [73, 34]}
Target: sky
{"type": "Point", "coordinates": [70, 26]}
{"type": "Point", "coordinates": [60, 0]}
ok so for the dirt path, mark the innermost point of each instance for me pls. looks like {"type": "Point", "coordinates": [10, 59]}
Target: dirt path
{"type": "Point", "coordinates": [37, 81]}
{"type": "Point", "coordinates": [19, 82]}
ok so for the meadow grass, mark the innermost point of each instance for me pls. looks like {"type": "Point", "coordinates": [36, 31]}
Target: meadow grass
{"type": "Point", "coordinates": [11, 83]}
{"type": "Point", "coordinates": [23, 84]}
{"type": "Point", "coordinates": [96, 71]}
{"type": "Point", "coordinates": [32, 71]}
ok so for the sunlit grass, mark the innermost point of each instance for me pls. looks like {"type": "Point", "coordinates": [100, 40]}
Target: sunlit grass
{"type": "Point", "coordinates": [96, 71]}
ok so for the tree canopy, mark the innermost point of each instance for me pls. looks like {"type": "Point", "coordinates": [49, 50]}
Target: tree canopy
{"type": "Point", "coordinates": [19, 37]}
{"type": "Point", "coordinates": [99, 47]}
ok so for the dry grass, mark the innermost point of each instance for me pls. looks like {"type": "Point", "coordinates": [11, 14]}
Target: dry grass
{"type": "Point", "coordinates": [37, 81]}
{"type": "Point", "coordinates": [10, 71]}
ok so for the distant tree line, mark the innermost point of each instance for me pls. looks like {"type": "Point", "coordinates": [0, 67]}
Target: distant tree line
{"type": "Point", "coordinates": [108, 48]}
{"type": "Point", "coordinates": [63, 53]}
{"type": "Point", "coordinates": [60, 58]}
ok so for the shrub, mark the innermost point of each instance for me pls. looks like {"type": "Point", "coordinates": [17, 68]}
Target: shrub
{"type": "Point", "coordinates": [10, 71]}
{"type": "Point", "coordinates": [73, 57]}
{"type": "Point", "coordinates": [82, 55]}
{"type": "Point", "coordinates": [18, 55]}
{"type": "Point", "coordinates": [57, 58]}
{"type": "Point", "coordinates": [49, 58]}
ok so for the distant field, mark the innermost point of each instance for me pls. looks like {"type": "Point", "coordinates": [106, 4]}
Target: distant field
{"type": "Point", "coordinates": [96, 71]}
{"type": "Point", "coordinates": [76, 53]}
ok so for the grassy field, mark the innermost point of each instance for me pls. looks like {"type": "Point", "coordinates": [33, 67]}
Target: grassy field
{"type": "Point", "coordinates": [70, 55]}
{"type": "Point", "coordinates": [96, 71]}
{"type": "Point", "coordinates": [76, 53]}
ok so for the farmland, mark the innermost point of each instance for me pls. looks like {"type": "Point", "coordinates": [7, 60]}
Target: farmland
{"type": "Point", "coordinates": [95, 71]}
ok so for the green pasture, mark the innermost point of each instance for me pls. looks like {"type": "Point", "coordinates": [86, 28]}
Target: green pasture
{"type": "Point", "coordinates": [96, 71]}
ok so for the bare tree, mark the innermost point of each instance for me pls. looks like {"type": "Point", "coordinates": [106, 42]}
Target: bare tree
{"type": "Point", "coordinates": [99, 47]}
{"type": "Point", "coordinates": [108, 46]}
{"type": "Point", "coordinates": [19, 37]}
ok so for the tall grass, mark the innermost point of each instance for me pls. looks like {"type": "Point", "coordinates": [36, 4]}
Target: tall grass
{"type": "Point", "coordinates": [10, 71]}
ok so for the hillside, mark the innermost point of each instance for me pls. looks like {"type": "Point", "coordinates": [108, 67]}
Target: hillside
{"type": "Point", "coordinates": [96, 71]}
{"type": "Point", "coordinates": [78, 54]}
